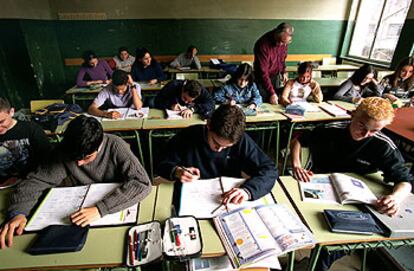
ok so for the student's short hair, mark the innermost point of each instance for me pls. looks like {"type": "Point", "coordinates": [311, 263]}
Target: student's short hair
{"type": "Point", "coordinates": [82, 137]}
{"type": "Point", "coordinates": [376, 108]}
{"type": "Point", "coordinates": [119, 78]}
{"type": "Point", "coordinates": [305, 67]}
{"type": "Point", "coordinates": [121, 49]}
{"type": "Point", "coordinates": [282, 28]}
{"type": "Point", "coordinates": [141, 52]}
{"type": "Point", "coordinates": [88, 56]}
{"type": "Point", "coordinates": [192, 88]}
{"type": "Point", "coordinates": [190, 49]}
{"type": "Point", "coordinates": [228, 122]}
{"type": "Point", "coordinates": [361, 73]}
{"type": "Point", "coordinates": [5, 105]}
{"type": "Point", "coordinates": [244, 70]}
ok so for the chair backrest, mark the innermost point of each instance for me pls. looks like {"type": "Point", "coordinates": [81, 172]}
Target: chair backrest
{"type": "Point", "coordinates": [39, 104]}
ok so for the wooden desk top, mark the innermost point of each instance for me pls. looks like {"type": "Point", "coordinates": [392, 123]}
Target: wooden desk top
{"type": "Point", "coordinates": [403, 124]}
{"type": "Point", "coordinates": [312, 213]}
{"type": "Point", "coordinates": [263, 114]}
{"type": "Point", "coordinates": [316, 117]}
{"type": "Point", "coordinates": [104, 247]}
{"type": "Point", "coordinates": [157, 120]}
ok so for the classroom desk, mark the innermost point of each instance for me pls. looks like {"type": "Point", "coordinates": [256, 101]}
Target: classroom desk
{"type": "Point", "coordinates": [203, 73]}
{"type": "Point", "coordinates": [105, 246]}
{"type": "Point", "coordinates": [402, 128]}
{"type": "Point", "coordinates": [147, 90]}
{"type": "Point", "coordinates": [212, 246]}
{"type": "Point", "coordinates": [159, 127]}
{"type": "Point", "coordinates": [312, 215]}
{"type": "Point", "coordinates": [327, 68]}
{"type": "Point", "coordinates": [308, 121]}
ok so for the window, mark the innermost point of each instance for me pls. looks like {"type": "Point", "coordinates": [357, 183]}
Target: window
{"type": "Point", "coordinates": [377, 29]}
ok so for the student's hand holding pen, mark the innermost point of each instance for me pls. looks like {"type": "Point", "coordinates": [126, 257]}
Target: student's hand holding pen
{"type": "Point", "coordinates": [235, 196]}
{"type": "Point", "coordinates": [187, 174]}
{"type": "Point", "coordinates": [85, 216]}
{"type": "Point", "coordinates": [16, 224]}
{"type": "Point", "coordinates": [113, 115]}
{"type": "Point", "coordinates": [187, 113]}
{"type": "Point", "coordinates": [176, 107]}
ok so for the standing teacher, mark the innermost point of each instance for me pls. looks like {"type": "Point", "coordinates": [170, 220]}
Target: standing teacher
{"type": "Point", "coordinates": [270, 52]}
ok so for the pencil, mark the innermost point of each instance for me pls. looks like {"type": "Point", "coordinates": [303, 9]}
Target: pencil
{"type": "Point", "coordinates": [187, 170]}
{"type": "Point", "coordinates": [222, 190]}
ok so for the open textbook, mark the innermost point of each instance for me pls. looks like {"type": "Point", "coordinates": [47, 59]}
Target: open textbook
{"type": "Point", "coordinates": [334, 110]}
{"type": "Point", "coordinates": [129, 113]}
{"type": "Point", "coordinates": [336, 188]}
{"type": "Point", "coordinates": [61, 202]}
{"type": "Point", "coordinates": [202, 198]}
{"type": "Point", "coordinates": [250, 235]}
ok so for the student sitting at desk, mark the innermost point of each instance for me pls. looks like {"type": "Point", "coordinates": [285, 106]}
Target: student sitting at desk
{"type": "Point", "coordinates": [87, 156]}
{"type": "Point", "coordinates": [363, 83]}
{"type": "Point", "coordinates": [93, 71]}
{"type": "Point", "coordinates": [22, 145]}
{"type": "Point", "coordinates": [299, 89]}
{"type": "Point", "coordinates": [187, 94]}
{"type": "Point", "coordinates": [146, 68]}
{"type": "Point", "coordinates": [221, 148]}
{"type": "Point", "coordinates": [187, 59]}
{"type": "Point", "coordinates": [122, 92]}
{"type": "Point", "coordinates": [360, 147]}
{"type": "Point", "coordinates": [123, 61]}
{"type": "Point", "coordinates": [241, 89]}
{"type": "Point", "coordinates": [400, 84]}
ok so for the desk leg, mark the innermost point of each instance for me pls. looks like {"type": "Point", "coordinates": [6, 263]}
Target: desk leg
{"type": "Point", "coordinates": [314, 257]}
{"type": "Point", "coordinates": [291, 261]}
{"type": "Point", "coordinates": [364, 259]}
{"type": "Point", "coordinates": [150, 155]}
{"type": "Point", "coordinates": [292, 126]}
{"type": "Point", "coordinates": [73, 98]}
{"type": "Point", "coordinates": [277, 144]}
{"type": "Point", "coordinates": [141, 155]}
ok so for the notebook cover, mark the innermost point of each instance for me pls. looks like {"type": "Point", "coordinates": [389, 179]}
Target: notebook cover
{"type": "Point", "coordinates": [58, 239]}
{"type": "Point", "coordinates": [351, 222]}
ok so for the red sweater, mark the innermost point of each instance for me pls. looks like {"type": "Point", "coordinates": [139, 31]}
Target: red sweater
{"type": "Point", "coordinates": [269, 59]}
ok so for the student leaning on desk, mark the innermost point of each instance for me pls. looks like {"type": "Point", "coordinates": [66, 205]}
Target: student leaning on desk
{"type": "Point", "coordinates": [87, 156]}
{"type": "Point", "coordinates": [186, 96]}
{"type": "Point", "coordinates": [221, 148]}
{"type": "Point", "coordinates": [299, 89]}
{"type": "Point", "coordinates": [188, 59]}
{"type": "Point", "coordinates": [359, 147]}
{"type": "Point", "coordinates": [120, 93]}
{"type": "Point", "coordinates": [93, 71]}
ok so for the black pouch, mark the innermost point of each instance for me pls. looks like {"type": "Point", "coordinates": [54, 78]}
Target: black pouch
{"type": "Point", "coordinates": [59, 239]}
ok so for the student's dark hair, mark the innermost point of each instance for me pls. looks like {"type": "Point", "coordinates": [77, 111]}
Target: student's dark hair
{"type": "Point", "coordinates": [395, 77]}
{"type": "Point", "coordinates": [119, 78]}
{"type": "Point", "coordinates": [140, 53]}
{"type": "Point", "coordinates": [360, 74]}
{"type": "Point", "coordinates": [283, 27]}
{"type": "Point", "coordinates": [192, 88]}
{"type": "Point", "coordinates": [121, 49]}
{"type": "Point", "coordinates": [82, 137]}
{"type": "Point", "coordinates": [243, 70]}
{"type": "Point", "coordinates": [190, 49]}
{"type": "Point", "coordinates": [88, 56]}
{"type": "Point", "coordinates": [228, 122]}
{"type": "Point", "coordinates": [5, 105]}
{"type": "Point", "coordinates": [305, 67]}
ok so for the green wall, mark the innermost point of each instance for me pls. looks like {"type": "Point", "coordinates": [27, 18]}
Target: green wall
{"type": "Point", "coordinates": [48, 43]}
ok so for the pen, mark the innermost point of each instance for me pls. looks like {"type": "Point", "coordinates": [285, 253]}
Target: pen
{"type": "Point", "coordinates": [222, 190]}
{"type": "Point", "coordinates": [187, 170]}
{"type": "Point", "coordinates": [217, 208]}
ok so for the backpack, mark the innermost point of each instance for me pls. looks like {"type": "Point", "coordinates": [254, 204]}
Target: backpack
{"type": "Point", "coordinates": [56, 114]}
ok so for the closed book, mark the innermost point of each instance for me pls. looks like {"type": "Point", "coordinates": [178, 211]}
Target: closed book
{"type": "Point", "coordinates": [352, 222]}
{"type": "Point", "coordinates": [59, 239]}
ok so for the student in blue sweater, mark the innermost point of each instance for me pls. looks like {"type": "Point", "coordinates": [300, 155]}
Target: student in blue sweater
{"type": "Point", "coordinates": [146, 68]}
{"type": "Point", "coordinates": [241, 89]}
{"type": "Point", "coordinates": [221, 148]}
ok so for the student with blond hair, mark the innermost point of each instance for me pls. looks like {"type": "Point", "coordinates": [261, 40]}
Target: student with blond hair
{"type": "Point", "coordinates": [358, 147]}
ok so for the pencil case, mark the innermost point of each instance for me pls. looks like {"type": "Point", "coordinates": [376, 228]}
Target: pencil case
{"type": "Point", "coordinates": [179, 239]}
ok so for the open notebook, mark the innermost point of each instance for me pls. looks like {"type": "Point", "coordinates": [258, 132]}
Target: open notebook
{"type": "Point", "coordinates": [129, 113]}
{"type": "Point", "coordinates": [61, 202]}
{"type": "Point", "coordinates": [202, 198]}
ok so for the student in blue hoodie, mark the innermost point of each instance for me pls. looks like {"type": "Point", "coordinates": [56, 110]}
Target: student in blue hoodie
{"type": "Point", "coordinates": [241, 89]}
